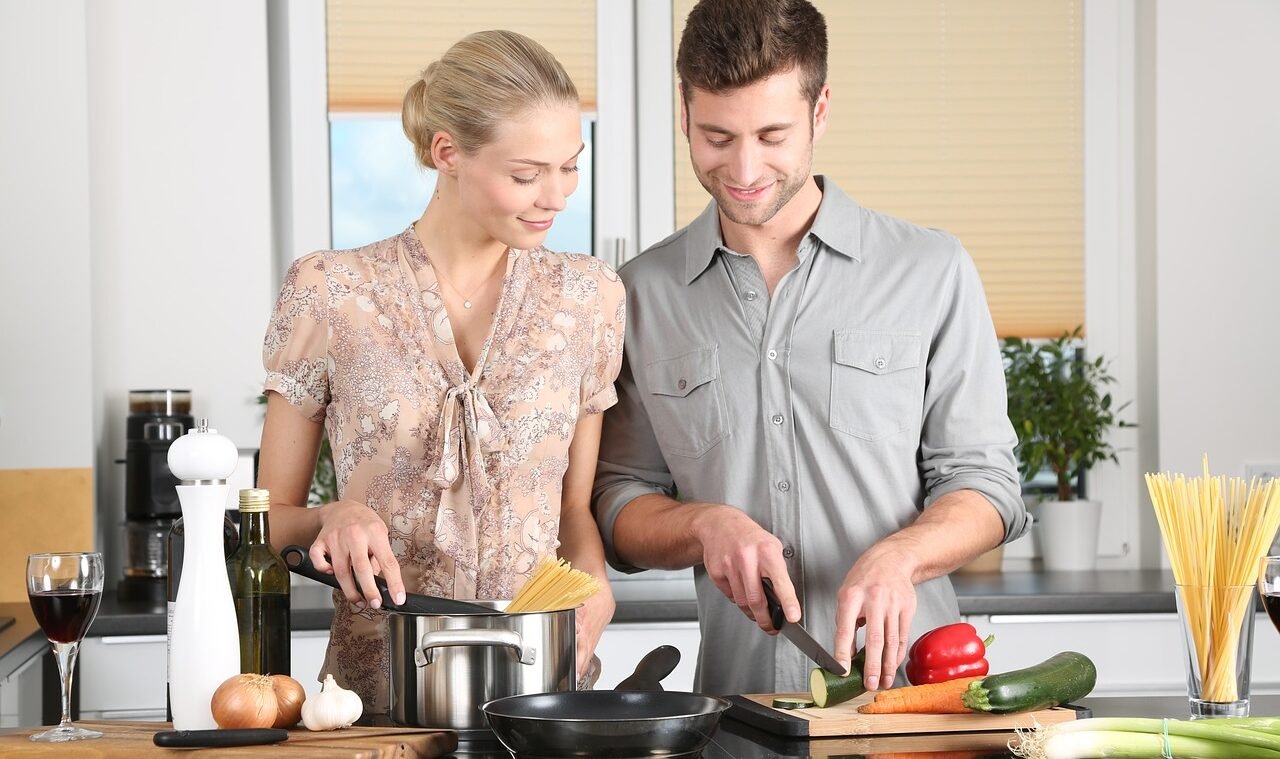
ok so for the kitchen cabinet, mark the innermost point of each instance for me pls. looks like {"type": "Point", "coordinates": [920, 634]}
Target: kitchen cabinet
{"type": "Point", "coordinates": [1136, 654]}
{"type": "Point", "coordinates": [20, 695]}
{"type": "Point", "coordinates": [123, 676]}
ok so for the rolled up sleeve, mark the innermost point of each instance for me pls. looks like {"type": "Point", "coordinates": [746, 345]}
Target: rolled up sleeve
{"type": "Point", "coordinates": [631, 464]}
{"type": "Point", "coordinates": [967, 440]}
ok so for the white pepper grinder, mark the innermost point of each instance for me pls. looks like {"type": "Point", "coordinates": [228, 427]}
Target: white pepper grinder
{"type": "Point", "coordinates": [204, 644]}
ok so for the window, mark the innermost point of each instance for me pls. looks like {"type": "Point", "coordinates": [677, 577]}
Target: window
{"type": "Point", "coordinates": [378, 188]}
{"type": "Point", "coordinates": [966, 116]}
{"type": "Point", "coordinates": [376, 48]}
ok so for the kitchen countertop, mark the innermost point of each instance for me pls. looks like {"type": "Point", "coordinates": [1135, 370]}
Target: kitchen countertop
{"type": "Point", "coordinates": [1100, 592]}
{"type": "Point", "coordinates": [1097, 592]}
{"type": "Point", "coordinates": [734, 740]}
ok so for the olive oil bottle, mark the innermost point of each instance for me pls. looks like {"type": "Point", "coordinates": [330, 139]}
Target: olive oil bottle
{"type": "Point", "coordinates": [260, 587]}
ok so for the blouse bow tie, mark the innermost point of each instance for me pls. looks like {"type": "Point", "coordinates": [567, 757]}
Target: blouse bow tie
{"type": "Point", "coordinates": [468, 431]}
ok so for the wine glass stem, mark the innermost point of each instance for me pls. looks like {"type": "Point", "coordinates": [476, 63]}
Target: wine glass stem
{"type": "Point", "coordinates": [66, 656]}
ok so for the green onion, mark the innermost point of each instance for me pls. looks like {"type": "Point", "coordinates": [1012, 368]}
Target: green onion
{"type": "Point", "coordinates": [1121, 745]}
{"type": "Point", "coordinates": [1143, 738]}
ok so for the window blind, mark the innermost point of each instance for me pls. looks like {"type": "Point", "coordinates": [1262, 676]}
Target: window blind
{"type": "Point", "coordinates": [376, 48]}
{"type": "Point", "coordinates": [964, 115]}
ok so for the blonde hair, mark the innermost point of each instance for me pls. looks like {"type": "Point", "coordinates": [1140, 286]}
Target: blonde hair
{"type": "Point", "coordinates": [482, 80]}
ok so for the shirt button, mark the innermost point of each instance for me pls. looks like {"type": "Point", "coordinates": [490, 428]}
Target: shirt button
{"type": "Point", "coordinates": [682, 384]}
{"type": "Point", "coordinates": [777, 418]}
{"type": "Point", "coordinates": [750, 295]}
{"type": "Point", "coordinates": [784, 486]}
{"type": "Point", "coordinates": [881, 363]}
{"type": "Point", "coordinates": [773, 355]}
{"type": "Point", "coordinates": [788, 552]}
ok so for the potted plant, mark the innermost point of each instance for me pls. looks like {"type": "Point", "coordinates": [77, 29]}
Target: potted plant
{"type": "Point", "coordinates": [1062, 414]}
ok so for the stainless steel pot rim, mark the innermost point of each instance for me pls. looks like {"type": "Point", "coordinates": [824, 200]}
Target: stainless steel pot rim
{"type": "Point", "coordinates": [721, 705]}
{"type": "Point", "coordinates": [497, 611]}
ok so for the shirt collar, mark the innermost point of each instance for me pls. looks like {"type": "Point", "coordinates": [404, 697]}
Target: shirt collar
{"type": "Point", "coordinates": [837, 224]}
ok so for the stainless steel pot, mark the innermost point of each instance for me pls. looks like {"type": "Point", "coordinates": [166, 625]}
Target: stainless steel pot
{"type": "Point", "coordinates": [444, 667]}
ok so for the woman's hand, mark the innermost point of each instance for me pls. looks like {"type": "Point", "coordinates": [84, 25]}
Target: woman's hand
{"type": "Point", "coordinates": [353, 545]}
{"type": "Point", "coordinates": [592, 617]}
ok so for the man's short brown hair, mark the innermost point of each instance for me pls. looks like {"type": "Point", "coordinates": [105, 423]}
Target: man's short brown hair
{"type": "Point", "coordinates": [728, 44]}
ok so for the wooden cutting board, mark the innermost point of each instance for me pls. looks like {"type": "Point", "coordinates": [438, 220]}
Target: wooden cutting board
{"type": "Point", "coordinates": [844, 719]}
{"type": "Point", "coordinates": [125, 740]}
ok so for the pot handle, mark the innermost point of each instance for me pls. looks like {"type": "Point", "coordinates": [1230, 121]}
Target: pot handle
{"type": "Point", "coordinates": [444, 638]}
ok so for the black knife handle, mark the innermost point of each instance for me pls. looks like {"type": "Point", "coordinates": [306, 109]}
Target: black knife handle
{"type": "Point", "coordinates": [776, 616]}
{"type": "Point", "coordinates": [299, 560]}
{"type": "Point", "coordinates": [219, 738]}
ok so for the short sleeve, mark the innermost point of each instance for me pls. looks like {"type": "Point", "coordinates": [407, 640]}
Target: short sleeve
{"type": "Point", "coordinates": [295, 350]}
{"type": "Point", "coordinates": [598, 392]}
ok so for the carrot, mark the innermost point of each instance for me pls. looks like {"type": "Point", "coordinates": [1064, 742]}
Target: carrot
{"type": "Point", "coordinates": [934, 698]}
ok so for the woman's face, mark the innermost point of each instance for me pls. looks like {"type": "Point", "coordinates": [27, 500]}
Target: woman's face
{"type": "Point", "coordinates": [514, 186]}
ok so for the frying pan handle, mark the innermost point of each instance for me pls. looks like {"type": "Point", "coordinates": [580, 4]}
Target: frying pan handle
{"type": "Point", "coordinates": [655, 665]}
{"type": "Point", "coordinates": [434, 639]}
{"type": "Point", "coordinates": [298, 560]}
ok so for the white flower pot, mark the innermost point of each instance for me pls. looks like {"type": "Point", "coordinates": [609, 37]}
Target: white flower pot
{"type": "Point", "coordinates": [1068, 532]}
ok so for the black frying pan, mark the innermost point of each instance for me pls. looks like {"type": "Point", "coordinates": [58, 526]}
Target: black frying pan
{"type": "Point", "coordinates": [298, 560]}
{"type": "Point", "coordinates": [612, 724]}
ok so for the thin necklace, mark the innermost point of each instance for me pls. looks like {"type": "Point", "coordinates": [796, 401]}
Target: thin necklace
{"type": "Point", "coordinates": [466, 299]}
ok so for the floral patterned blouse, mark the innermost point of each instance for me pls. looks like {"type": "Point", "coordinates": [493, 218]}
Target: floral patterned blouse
{"type": "Point", "coordinates": [466, 469]}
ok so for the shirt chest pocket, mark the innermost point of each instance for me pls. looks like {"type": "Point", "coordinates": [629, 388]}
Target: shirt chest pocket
{"type": "Point", "coordinates": [877, 389]}
{"type": "Point", "coordinates": [686, 407]}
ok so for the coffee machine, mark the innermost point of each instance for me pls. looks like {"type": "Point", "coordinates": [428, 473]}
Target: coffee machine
{"type": "Point", "coordinates": [156, 419]}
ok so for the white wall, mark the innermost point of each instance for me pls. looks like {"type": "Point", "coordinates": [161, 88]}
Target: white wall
{"type": "Point", "coordinates": [45, 357]}
{"type": "Point", "coordinates": [180, 172]}
{"type": "Point", "coordinates": [1217, 219]}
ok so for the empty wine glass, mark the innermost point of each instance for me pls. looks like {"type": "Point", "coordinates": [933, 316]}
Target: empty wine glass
{"type": "Point", "coordinates": [65, 590]}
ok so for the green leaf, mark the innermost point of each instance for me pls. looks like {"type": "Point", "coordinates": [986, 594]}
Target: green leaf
{"type": "Point", "coordinates": [1059, 412]}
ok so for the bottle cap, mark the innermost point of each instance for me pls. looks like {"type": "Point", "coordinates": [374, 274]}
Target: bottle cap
{"type": "Point", "coordinates": [254, 500]}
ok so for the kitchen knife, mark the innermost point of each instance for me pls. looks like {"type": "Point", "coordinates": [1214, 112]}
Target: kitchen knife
{"type": "Point", "coordinates": [797, 634]}
{"type": "Point", "coordinates": [218, 738]}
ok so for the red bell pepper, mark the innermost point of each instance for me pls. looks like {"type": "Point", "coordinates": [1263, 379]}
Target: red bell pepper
{"type": "Point", "coordinates": [948, 653]}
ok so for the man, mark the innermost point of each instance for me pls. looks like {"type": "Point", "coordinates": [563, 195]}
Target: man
{"type": "Point", "coordinates": [820, 382]}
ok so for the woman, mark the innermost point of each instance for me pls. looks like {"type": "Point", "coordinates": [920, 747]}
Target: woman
{"type": "Point", "coordinates": [459, 368]}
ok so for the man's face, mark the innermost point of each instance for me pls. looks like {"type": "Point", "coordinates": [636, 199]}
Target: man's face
{"type": "Point", "coordinates": [752, 148]}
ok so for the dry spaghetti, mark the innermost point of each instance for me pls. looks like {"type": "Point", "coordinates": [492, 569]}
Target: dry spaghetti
{"type": "Point", "coordinates": [554, 585]}
{"type": "Point", "coordinates": [1216, 531]}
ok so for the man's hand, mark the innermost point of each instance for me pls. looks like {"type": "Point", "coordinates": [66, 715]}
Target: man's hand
{"type": "Point", "coordinates": [878, 593]}
{"type": "Point", "coordinates": [737, 552]}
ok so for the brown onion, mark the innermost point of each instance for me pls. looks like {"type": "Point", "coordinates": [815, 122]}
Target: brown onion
{"type": "Point", "coordinates": [289, 698]}
{"type": "Point", "coordinates": [244, 701]}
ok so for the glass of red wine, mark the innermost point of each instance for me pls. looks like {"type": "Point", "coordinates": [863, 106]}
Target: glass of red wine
{"type": "Point", "coordinates": [65, 590]}
{"type": "Point", "coordinates": [1269, 587]}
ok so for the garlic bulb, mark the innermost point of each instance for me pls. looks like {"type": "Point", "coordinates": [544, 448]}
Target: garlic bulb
{"type": "Point", "coordinates": [333, 707]}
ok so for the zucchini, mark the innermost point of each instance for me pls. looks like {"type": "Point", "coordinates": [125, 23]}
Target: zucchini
{"type": "Point", "coordinates": [1060, 679]}
{"type": "Point", "coordinates": [829, 689]}
{"type": "Point", "coordinates": [792, 703]}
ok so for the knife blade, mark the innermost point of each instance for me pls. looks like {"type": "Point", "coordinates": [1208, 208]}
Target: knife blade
{"type": "Point", "coordinates": [797, 634]}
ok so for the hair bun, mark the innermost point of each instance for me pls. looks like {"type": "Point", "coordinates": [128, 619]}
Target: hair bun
{"type": "Point", "coordinates": [429, 73]}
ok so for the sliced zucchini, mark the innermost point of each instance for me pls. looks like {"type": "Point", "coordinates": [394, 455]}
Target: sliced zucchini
{"type": "Point", "coordinates": [792, 703]}
{"type": "Point", "coordinates": [830, 689]}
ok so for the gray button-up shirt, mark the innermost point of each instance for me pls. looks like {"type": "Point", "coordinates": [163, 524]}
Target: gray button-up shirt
{"type": "Point", "coordinates": [832, 413]}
